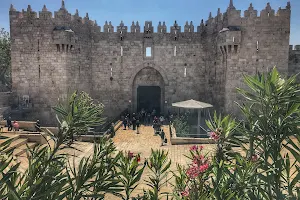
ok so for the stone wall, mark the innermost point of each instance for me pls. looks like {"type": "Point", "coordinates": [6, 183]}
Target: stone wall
{"type": "Point", "coordinates": [53, 56]}
{"type": "Point", "coordinates": [294, 61]}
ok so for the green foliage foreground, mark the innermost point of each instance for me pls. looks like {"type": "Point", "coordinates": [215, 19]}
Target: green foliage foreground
{"type": "Point", "coordinates": [256, 158]}
{"type": "Point", "coordinates": [5, 60]}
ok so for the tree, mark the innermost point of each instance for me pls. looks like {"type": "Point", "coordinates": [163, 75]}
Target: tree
{"type": "Point", "coordinates": [5, 60]}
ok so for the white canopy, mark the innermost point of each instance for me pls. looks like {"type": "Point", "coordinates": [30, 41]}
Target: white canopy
{"type": "Point", "coordinates": [192, 104]}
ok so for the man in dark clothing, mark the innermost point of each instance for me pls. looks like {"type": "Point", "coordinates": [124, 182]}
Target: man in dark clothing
{"type": "Point", "coordinates": [148, 119]}
{"type": "Point", "coordinates": [142, 116]}
{"type": "Point", "coordinates": [138, 123]}
{"type": "Point", "coordinates": [156, 126]}
{"type": "Point", "coordinates": [162, 136]}
{"type": "Point", "coordinates": [38, 126]}
{"type": "Point", "coordinates": [9, 124]}
{"type": "Point", "coordinates": [125, 123]}
{"type": "Point", "coordinates": [133, 122]}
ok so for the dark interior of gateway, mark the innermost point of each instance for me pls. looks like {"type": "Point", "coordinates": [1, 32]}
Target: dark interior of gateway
{"type": "Point", "coordinates": [149, 98]}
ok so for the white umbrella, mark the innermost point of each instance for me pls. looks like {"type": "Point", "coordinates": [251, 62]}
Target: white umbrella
{"type": "Point", "coordinates": [193, 104]}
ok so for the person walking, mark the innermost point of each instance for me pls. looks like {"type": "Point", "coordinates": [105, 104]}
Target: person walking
{"type": "Point", "coordinates": [156, 126]}
{"type": "Point", "coordinates": [138, 123]}
{"type": "Point", "coordinates": [134, 122]}
{"type": "Point", "coordinates": [161, 119]}
{"type": "Point", "coordinates": [148, 119]}
{"type": "Point", "coordinates": [163, 137]}
{"type": "Point", "coordinates": [125, 123]}
{"type": "Point", "coordinates": [142, 119]}
{"type": "Point", "coordinates": [9, 124]}
{"type": "Point", "coordinates": [38, 126]}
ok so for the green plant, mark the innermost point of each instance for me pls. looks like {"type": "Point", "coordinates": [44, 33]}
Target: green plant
{"type": "Point", "coordinates": [50, 175]}
{"type": "Point", "coordinates": [181, 126]}
{"type": "Point", "coordinates": [5, 60]}
{"type": "Point", "coordinates": [224, 131]}
{"type": "Point", "coordinates": [129, 174]}
{"type": "Point", "coordinates": [159, 164]}
{"type": "Point", "coordinates": [272, 118]}
{"type": "Point", "coordinates": [7, 171]}
{"type": "Point", "coordinates": [77, 114]}
{"type": "Point", "coordinates": [190, 183]}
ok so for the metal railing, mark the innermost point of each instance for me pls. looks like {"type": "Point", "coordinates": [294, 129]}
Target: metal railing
{"type": "Point", "coordinates": [105, 128]}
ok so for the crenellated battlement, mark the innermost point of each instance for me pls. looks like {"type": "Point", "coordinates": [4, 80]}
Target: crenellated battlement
{"type": "Point", "coordinates": [61, 15]}
{"type": "Point", "coordinates": [232, 17]}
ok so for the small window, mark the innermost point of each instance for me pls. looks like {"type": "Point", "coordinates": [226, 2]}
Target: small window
{"type": "Point", "coordinates": [39, 71]}
{"type": "Point", "coordinates": [235, 48]}
{"type": "Point", "coordinates": [257, 46]}
{"type": "Point", "coordinates": [148, 52]}
{"type": "Point", "coordinates": [121, 51]}
{"type": "Point", "coordinates": [58, 47]}
{"type": "Point", "coordinates": [229, 48]}
{"type": "Point", "coordinates": [63, 47]}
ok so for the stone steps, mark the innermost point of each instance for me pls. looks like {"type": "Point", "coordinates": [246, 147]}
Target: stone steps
{"type": "Point", "coordinates": [17, 143]}
{"type": "Point", "coordinates": [22, 149]}
{"type": "Point", "coordinates": [7, 137]}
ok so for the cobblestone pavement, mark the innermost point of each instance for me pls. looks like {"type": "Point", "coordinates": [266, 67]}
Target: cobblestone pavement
{"type": "Point", "coordinates": [128, 140]}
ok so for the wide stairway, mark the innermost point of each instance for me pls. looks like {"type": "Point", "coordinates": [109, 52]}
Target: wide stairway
{"type": "Point", "coordinates": [18, 143]}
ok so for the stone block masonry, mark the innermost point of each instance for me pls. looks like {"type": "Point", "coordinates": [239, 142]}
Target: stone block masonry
{"type": "Point", "coordinates": [52, 55]}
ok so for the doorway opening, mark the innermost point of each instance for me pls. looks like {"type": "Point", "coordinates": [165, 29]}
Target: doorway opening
{"type": "Point", "coordinates": [149, 98]}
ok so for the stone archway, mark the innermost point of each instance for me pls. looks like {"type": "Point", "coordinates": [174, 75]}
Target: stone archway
{"type": "Point", "coordinates": [148, 90]}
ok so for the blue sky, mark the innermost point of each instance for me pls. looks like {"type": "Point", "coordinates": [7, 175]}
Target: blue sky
{"type": "Point", "coordinates": [154, 10]}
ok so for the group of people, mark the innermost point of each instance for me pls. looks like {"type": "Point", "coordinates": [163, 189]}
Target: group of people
{"type": "Point", "coordinates": [14, 125]}
{"type": "Point", "coordinates": [131, 121]}
{"type": "Point", "coordinates": [147, 118]}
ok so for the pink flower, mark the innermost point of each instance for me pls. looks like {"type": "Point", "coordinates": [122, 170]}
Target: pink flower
{"type": "Point", "coordinates": [193, 171]}
{"type": "Point", "coordinates": [130, 155]}
{"type": "Point", "coordinates": [185, 193]}
{"type": "Point", "coordinates": [214, 136]}
{"type": "Point", "coordinates": [254, 158]}
{"type": "Point", "coordinates": [201, 147]}
{"type": "Point", "coordinates": [194, 148]}
{"type": "Point", "coordinates": [204, 167]}
{"type": "Point", "coordinates": [198, 159]}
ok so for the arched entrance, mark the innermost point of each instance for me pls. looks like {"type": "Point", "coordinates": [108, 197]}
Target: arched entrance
{"type": "Point", "coordinates": [148, 90]}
